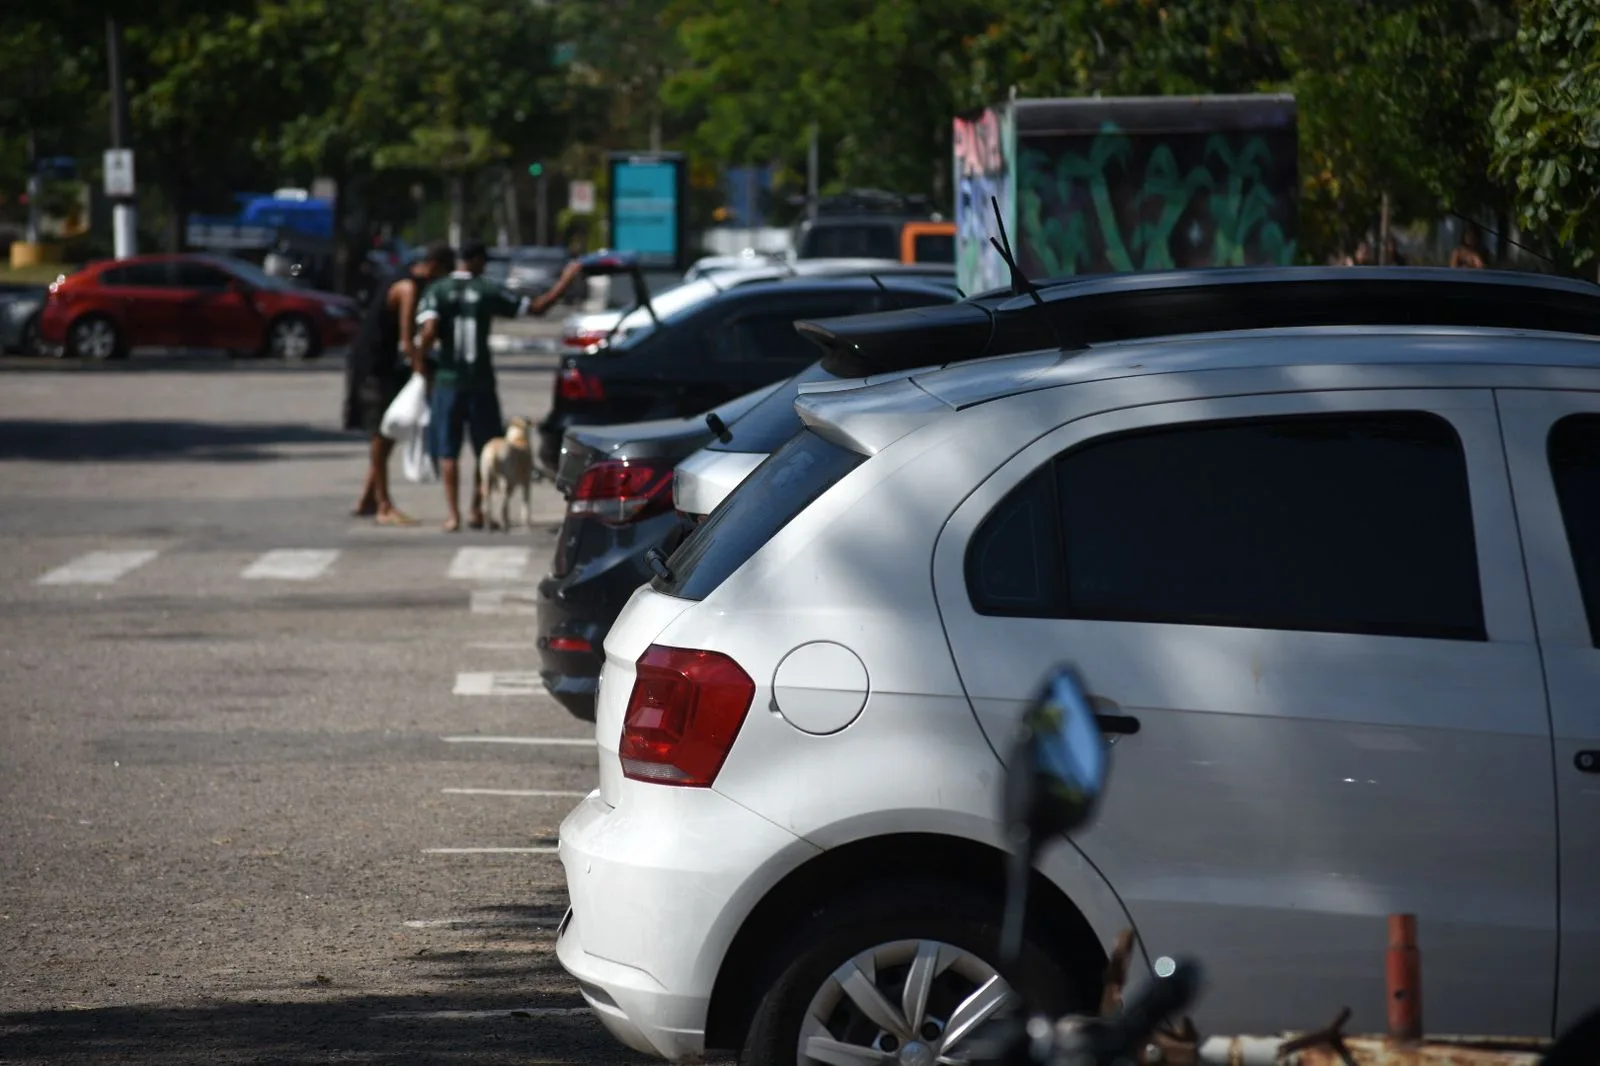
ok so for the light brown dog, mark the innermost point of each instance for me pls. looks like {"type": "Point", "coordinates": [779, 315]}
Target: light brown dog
{"type": "Point", "coordinates": [507, 465]}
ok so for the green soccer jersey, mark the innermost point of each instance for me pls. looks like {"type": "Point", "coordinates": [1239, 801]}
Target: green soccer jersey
{"type": "Point", "coordinates": [465, 308]}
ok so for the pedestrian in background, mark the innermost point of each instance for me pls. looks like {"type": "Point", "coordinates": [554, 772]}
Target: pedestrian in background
{"type": "Point", "coordinates": [376, 369]}
{"type": "Point", "coordinates": [1468, 253]}
{"type": "Point", "coordinates": [456, 315]}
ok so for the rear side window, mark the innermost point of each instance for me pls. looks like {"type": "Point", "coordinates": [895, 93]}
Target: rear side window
{"type": "Point", "coordinates": [780, 488]}
{"type": "Point", "coordinates": [1327, 523]}
{"type": "Point", "coordinates": [768, 335]}
{"type": "Point", "coordinates": [140, 274]}
{"type": "Point", "coordinates": [1575, 464]}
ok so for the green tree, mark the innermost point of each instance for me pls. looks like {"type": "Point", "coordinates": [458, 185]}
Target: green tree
{"type": "Point", "coordinates": [1546, 125]}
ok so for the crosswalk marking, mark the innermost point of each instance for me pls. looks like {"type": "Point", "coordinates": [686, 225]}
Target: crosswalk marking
{"type": "Point", "coordinates": [291, 564]}
{"type": "Point", "coordinates": [504, 683]}
{"type": "Point", "coordinates": [489, 564]}
{"type": "Point", "coordinates": [505, 601]}
{"type": "Point", "coordinates": [98, 567]}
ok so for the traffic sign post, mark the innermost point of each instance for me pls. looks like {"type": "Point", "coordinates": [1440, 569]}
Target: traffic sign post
{"type": "Point", "coordinates": [119, 173]}
{"type": "Point", "coordinates": [580, 197]}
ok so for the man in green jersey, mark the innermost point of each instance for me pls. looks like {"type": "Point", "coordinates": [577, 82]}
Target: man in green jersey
{"type": "Point", "coordinates": [456, 314]}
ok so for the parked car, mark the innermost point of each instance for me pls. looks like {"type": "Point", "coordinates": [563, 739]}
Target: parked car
{"type": "Point", "coordinates": [618, 483]}
{"type": "Point", "coordinates": [595, 327]}
{"type": "Point", "coordinates": [19, 318]}
{"type": "Point", "coordinates": [709, 350]}
{"type": "Point", "coordinates": [191, 301]}
{"type": "Point", "coordinates": [876, 223]}
{"type": "Point", "coordinates": [1340, 587]}
{"type": "Point", "coordinates": [532, 270]}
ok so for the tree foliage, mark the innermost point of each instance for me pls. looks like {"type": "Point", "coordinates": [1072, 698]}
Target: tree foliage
{"type": "Point", "coordinates": [1547, 124]}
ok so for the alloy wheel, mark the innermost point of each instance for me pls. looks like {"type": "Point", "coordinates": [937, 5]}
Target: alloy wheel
{"type": "Point", "coordinates": [906, 1003]}
{"type": "Point", "coordinates": [95, 338]}
{"type": "Point", "coordinates": [291, 339]}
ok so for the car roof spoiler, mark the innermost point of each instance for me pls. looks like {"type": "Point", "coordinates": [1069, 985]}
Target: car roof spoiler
{"type": "Point", "coordinates": [1118, 307]}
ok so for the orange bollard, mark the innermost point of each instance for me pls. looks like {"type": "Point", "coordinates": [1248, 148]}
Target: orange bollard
{"type": "Point", "coordinates": [1405, 978]}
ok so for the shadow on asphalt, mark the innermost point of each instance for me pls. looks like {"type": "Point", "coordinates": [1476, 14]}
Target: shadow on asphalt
{"type": "Point", "coordinates": [498, 964]}
{"type": "Point", "coordinates": [45, 439]}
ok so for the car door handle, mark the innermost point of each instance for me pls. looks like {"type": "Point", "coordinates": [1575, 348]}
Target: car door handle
{"type": "Point", "coordinates": [1587, 761]}
{"type": "Point", "coordinates": [1124, 725]}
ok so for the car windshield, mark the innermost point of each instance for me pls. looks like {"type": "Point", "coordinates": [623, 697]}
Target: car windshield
{"type": "Point", "coordinates": [252, 273]}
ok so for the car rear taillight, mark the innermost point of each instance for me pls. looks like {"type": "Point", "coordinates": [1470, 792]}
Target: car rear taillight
{"type": "Point", "coordinates": [683, 715]}
{"type": "Point", "coordinates": [574, 384]}
{"type": "Point", "coordinates": [584, 338]}
{"type": "Point", "coordinates": [618, 492]}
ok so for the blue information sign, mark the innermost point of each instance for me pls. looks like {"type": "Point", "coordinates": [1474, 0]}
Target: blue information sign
{"type": "Point", "coordinates": [647, 208]}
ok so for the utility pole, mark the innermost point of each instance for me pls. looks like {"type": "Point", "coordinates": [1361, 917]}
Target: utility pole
{"type": "Point", "coordinates": [811, 175]}
{"type": "Point", "coordinates": [35, 187]}
{"type": "Point", "coordinates": [458, 209]}
{"type": "Point", "coordinates": [544, 208]}
{"type": "Point", "coordinates": [124, 209]}
{"type": "Point", "coordinates": [1383, 232]}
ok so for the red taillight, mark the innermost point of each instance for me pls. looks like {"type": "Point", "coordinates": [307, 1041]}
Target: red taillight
{"type": "Point", "coordinates": [683, 716]}
{"type": "Point", "coordinates": [574, 384]}
{"type": "Point", "coordinates": [570, 644]}
{"type": "Point", "coordinates": [619, 492]}
{"type": "Point", "coordinates": [583, 339]}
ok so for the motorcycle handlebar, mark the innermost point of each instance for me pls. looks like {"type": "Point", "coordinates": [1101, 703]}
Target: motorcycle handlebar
{"type": "Point", "coordinates": [1154, 1004]}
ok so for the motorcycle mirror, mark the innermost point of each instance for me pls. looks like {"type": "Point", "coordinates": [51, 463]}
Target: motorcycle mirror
{"type": "Point", "coordinates": [1054, 779]}
{"type": "Point", "coordinates": [1059, 766]}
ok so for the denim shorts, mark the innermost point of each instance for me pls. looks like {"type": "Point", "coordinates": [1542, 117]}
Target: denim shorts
{"type": "Point", "coordinates": [456, 413]}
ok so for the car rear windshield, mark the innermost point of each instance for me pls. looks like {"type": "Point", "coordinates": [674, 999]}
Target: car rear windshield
{"type": "Point", "coordinates": [780, 488]}
{"type": "Point", "coordinates": [767, 425]}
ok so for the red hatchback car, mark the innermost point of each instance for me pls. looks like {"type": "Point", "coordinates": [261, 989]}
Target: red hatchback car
{"type": "Point", "coordinates": [191, 301]}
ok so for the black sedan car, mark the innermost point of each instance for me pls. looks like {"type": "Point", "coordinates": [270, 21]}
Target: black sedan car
{"type": "Point", "coordinates": [717, 349]}
{"type": "Point", "coordinates": [618, 484]}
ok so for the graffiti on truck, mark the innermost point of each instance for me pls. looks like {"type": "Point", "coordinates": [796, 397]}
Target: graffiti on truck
{"type": "Point", "coordinates": [984, 149]}
{"type": "Point", "coordinates": [1146, 202]}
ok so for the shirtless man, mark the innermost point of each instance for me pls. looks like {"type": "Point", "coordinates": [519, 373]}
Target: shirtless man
{"type": "Point", "coordinates": [377, 367]}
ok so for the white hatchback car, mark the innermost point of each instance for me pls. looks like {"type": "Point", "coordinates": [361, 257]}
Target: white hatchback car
{"type": "Point", "coordinates": [1337, 592]}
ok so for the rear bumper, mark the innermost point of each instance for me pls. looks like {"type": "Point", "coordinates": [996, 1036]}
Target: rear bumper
{"type": "Point", "coordinates": [607, 564]}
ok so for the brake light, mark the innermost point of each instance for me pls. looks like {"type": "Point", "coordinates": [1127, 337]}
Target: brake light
{"type": "Point", "coordinates": [569, 644]}
{"type": "Point", "coordinates": [618, 492]}
{"type": "Point", "coordinates": [574, 384]}
{"type": "Point", "coordinates": [584, 339]}
{"type": "Point", "coordinates": [683, 715]}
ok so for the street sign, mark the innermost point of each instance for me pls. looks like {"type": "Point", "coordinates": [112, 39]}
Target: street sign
{"type": "Point", "coordinates": [119, 172]}
{"type": "Point", "coordinates": [580, 197]}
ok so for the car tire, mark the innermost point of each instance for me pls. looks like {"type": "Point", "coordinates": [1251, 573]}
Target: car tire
{"type": "Point", "coordinates": [95, 337]}
{"type": "Point", "coordinates": [291, 338]}
{"type": "Point", "coordinates": [888, 928]}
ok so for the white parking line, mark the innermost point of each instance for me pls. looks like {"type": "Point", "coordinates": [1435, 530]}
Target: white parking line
{"type": "Point", "coordinates": [476, 923]}
{"type": "Point", "coordinates": [551, 741]}
{"type": "Point", "coordinates": [501, 683]}
{"type": "Point", "coordinates": [291, 564]}
{"type": "Point", "coordinates": [481, 1015]}
{"type": "Point", "coordinates": [531, 792]}
{"type": "Point", "coordinates": [98, 568]}
{"type": "Point", "coordinates": [489, 564]}
{"type": "Point", "coordinates": [489, 851]}
{"type": "Point", "coordinates": [505, 601]}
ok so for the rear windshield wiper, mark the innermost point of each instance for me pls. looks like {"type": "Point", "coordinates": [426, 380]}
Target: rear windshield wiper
{"type": "Point", "coordinates": [657, 561]}
{"type": "Point", "coordinates": [719, 427]}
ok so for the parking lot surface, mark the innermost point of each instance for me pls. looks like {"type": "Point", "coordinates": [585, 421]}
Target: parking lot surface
{"type": "Point", "coordinates": [276, 785]}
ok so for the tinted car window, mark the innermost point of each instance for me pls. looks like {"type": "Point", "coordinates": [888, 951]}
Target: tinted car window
{"type": "Point", "coordinates": [1014, 561]}
{"type": "Point", "coordinates": [1575, 464]}
{"type": "Point", "coordinates": [201, 276]}
{"type": "Point", "coordinates": [141, 274]}
{"type": "Point", "coordinates": [934, 247]}
{"type": "Point", "coordinates": [853, 240]}
{"type": "Point", "coordinates": [767, 334]}
{"type": "Point", "coordinates": [781, 487]}
{"type": "Point", "coordinates": [1330, 523]}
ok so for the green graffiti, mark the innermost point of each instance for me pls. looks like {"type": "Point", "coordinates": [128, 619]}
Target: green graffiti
{"type": "Point", "coordinates": [1082, 212]}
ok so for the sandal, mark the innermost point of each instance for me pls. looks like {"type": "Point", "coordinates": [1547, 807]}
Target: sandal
{"type": "Point", "coordinates": [396, 517]}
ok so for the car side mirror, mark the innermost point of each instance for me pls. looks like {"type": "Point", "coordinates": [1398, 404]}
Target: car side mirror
{"type": "Point", "coordinates": [1056, 774]}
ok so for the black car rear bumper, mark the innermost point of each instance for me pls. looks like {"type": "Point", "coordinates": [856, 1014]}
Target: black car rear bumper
{"type": "Point", "coordinates": [576, 610]}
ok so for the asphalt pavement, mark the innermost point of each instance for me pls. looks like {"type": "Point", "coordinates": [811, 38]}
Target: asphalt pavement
{"type": "Point", "coordinates": [276, 784]}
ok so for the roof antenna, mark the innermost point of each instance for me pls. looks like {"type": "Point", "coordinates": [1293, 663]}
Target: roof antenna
{"type": "Point", "coordinates": [1019, 281]}
{"type": "Point", "coordinates": [959, 292]}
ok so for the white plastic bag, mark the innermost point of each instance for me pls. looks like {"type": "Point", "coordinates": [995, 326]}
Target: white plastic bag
{"type": "Point", "coordinates": [406, 423]}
